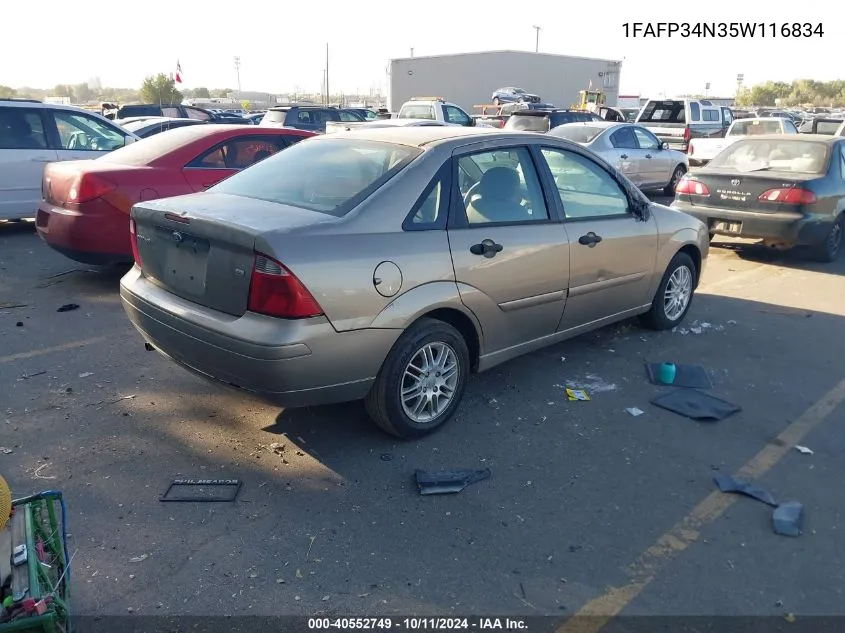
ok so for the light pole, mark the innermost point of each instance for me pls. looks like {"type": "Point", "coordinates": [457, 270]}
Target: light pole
{"type": "Point", "coordinates": [536, 39]}
{"type": "Point", "coordinates": [238, 72]}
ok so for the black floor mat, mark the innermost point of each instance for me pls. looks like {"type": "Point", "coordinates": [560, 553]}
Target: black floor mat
{"type": "Point", "coordinates": [696, 405]}
{"type": "Point", "coordinates": [692, 376]}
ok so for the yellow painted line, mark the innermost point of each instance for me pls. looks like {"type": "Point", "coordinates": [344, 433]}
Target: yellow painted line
{"type": "Point", "coordinates": [50, 350]}
{"type": "Point", "coordinates": [594, 615]}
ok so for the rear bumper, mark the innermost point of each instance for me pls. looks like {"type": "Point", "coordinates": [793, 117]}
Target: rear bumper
{"type": "Point", "coordinates": [789, 228]}
{"type": "Point", "coordinates": [291, 363]}
{"type": "Point", "coordinates": [97, 235]}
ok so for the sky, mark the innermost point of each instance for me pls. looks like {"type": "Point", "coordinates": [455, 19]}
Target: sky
{"type": "Point", "coordinates": [284, 50]}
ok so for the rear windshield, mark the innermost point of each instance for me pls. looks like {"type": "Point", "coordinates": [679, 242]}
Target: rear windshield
{"type": "Point", "coordinates": [327, 175]}
{"type": "Point", "coordinates": [417, 112]}
{"type": "Point", "coordinates": [577, 133]}
{"type": "Point", "coordinates": [751, 155]}
{"type": "Point", "coordinates": [145, 151]}
{"type": "Point", "coordinates": [275, 116]}
{"type": "Point", "coordinates": [663, 111]}
{"type": "Point", "coordinates": [528, 123]}
{"type": "Point", "coordinates": [756, 126]}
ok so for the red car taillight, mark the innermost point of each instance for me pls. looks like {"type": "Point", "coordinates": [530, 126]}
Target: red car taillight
{"type": "Point", "coordinates": [692, 187]}
{"type": "Point", "coordinates": [133, 238]}
{"type": "Point", "coordinates": [687, 134]}
{"type": "Point", "coordinates": [275, 291]}
{"type": "Point", "coordinates": [788, 196]}
{"type": "Point", "coordinates": [89, 187]}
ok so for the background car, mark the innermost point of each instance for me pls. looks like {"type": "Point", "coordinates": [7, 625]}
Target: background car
{"type": "Point", "coordinates": [788, 190]}
{"type": "Point", "coordinates": [631, 149]}
{"type": "Point", "coordinates": [511, 95]}
{"type": "Point", "coordinates": [148, 126]}
{"type": "Point", "coordinates": [388, 264]}
{"type": "Point", "coordinates": [531, 120]}
{"type": "Point", "coordinates": [85, 211]}
{"type": "Point", "coordinates": [33, 134]}
{"type": "Point", "coordinates": [311, 118]}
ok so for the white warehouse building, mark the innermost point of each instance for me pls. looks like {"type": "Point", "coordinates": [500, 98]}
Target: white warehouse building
{"type": "Point", "coordinates": [469, 79]}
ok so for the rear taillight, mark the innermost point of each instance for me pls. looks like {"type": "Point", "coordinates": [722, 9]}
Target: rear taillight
{"type": "Point", "coordinates": [275, 291]}
{"type": "Point", "coordinates": [133, 238]}
{"type": "Point", "coordinates": [788, 196]}
{"type": "Point", "coordinates": [692, 187]}
{"type": "Point", "coordinates": [89, 187]}
{"type": "Point", "coordinates": [687, 134]}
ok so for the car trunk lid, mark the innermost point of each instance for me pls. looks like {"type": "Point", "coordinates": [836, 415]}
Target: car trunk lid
{"type": "Point", "coordinates": [201, 246]}
{"type": "Point", "coordinates": [81, 180]}
{"type": "Point", "coordinates": [742, 191]}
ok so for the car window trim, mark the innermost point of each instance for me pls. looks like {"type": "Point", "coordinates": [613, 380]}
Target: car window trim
{"type": "Point", "coordinates": [444, 176]}
{"type": "Point", "coordinates": [457, 214]}
{"type": "Point", "coordinates": [630, 213]}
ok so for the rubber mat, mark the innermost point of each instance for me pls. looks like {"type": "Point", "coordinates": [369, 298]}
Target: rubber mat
{"type": "Point", "coordinates": [696, 405]}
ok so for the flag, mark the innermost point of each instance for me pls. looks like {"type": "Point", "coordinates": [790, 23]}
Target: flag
{"type": "Point", "coordinates": [178, 72]}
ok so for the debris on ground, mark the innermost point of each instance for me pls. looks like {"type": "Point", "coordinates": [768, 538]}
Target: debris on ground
{"type": "Point", "coordinates": [576, 394]}
{"type": "Point", "coordinates": [6, 451]}
{"type": "Point", "coordinates": [12, 304]}
{"type": "Point", "coordinates": [726, 483]}
{"type": "Point", "coordinates": [696, 405]}
{"type": "Point", "coordinates": [699, 328]}
{"type": "Point", "coordinates": [803, 449]}
{"type": "Point", "coordinates": [139, 559]}
{"type": "Point", "coordinates": [385, 457]}
{"type": "Point", "coordinates": [592, 383]}
{"type": "Point", "coordinates": [448, 481]}
{"type": "Point", "coordinates": [690, 376]}
{"type": "Point", "coordinates": [634, 411]}
{"type": "Point", "coordinates": [68, 307]}
{"type": "Point", "coordinates": [86, 374]}
{"type": "Point", "coordinates": [28, 376]}
{"type": "Point", "coordinates": [788, 518]}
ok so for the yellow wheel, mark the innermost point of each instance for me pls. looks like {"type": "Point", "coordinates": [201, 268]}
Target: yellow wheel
{"type": "Point", "coordinates": [5, 503]}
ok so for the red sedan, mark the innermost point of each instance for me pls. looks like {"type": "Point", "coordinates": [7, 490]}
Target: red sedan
{"type": "Point", "coordinates": [85, 209]}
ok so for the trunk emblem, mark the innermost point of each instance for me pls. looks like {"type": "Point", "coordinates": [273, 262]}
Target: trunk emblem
{"type": "Point", "coordinates": [177, 236]}
{"type": "Point", "coordinates": [735, 182]}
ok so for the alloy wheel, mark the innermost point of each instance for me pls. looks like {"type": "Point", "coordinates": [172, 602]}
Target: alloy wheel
{"type": "Point", "coordinates": [429, 382]}
{"type": "Point", "coordinates": [678, 292]}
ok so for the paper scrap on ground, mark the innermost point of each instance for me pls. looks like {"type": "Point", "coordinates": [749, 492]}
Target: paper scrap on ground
{"type": "Point", "coordinates": [634, 411]}
{"type": "Point", "coordinates": [576, 394]}
{"type": "Point", "coordinates": [803, 449]}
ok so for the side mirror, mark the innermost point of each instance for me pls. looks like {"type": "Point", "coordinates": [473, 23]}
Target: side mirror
{"type": "Point", "coordinates": [664, 145]}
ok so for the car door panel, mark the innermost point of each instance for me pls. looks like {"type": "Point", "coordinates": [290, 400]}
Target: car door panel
{"type": "Point", "coordinates": [24, 150]}
{"type": "Point", "coordinates": [654, 162]}
{"type": "Point", "coordinates": [517, 292]}
{"type": "Point", "coordinates": [630, 157]}
{"type": "Point", "coordinates": [612, 252]}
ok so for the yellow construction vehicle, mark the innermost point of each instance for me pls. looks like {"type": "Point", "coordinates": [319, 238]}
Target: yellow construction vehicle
{"type": "Point", "coordinates": [589, 100]}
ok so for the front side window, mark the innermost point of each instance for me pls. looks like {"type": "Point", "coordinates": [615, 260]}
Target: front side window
{"type": "Point", "coordinates": [456, 115]}
{"type": "Point", "coordinates": [586, 190]}
{"type": "Point", "coordinates": [21, 129]}
{"type": "Point", "coordinates": [348, 116]}
{"type": "Point", "coordinates": [80, 132]}
{"type": "Point", "coordinates": [330, 175]}
{"type": "Point", "coordinates": [501, 186]}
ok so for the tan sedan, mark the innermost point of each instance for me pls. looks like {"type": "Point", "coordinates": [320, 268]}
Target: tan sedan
{"type": "Point", "coordinates": [389, 264]}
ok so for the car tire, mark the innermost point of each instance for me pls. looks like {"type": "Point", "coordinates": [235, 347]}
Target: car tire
{"type": "Point", "coordinates": [669, 190]}
{"type": "Point", "coordinates": [679, 279]}
{"type": "Point", "coordinates": [384, 402]}
{"type": "Point", "coordinates": [830, 250]}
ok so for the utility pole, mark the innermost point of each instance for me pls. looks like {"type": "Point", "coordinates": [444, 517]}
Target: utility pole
{"type": "Point", "coordinates": [328, 94]}
{"type": "Point", "coordinates": [537, 39]}
{"type": "Point", "coordinates": [238, 71]}
{"type": "Point", "coordinates": [412, 51]}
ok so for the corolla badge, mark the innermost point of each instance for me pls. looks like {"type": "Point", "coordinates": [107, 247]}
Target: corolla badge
{"type": "Point", "coordinates": [735, 182]}
{"type": "Point", "coordinates": [177, 237]}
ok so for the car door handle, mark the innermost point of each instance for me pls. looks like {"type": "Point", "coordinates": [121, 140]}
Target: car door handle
{"type": "Point", "coordinates": [590, 239]}
{"type": "Point", "coordinates": [487, 248]}
{"type": "Point", "coordinates": [625, 156]}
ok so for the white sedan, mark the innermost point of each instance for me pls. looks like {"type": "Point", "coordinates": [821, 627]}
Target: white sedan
{"type": "Point", "coordinates": [632, 149]}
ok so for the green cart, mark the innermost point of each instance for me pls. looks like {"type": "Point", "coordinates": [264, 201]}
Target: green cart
{"type": "Point", "coordinates": [35, 566]}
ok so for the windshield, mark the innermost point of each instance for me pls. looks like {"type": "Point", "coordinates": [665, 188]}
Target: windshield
{"type": "Point", "coordinates": [756, 126]}
{"type": "Point", "coordinates": [528, 123]}
{"type": "Point", "coordinates": [327, 175]}
{"type": "Point", "coordinates": [804, 157]}
{"type": "Point", "coordinates": [577, 133]}
{"type": "Point", "coordinates": [668, 111]}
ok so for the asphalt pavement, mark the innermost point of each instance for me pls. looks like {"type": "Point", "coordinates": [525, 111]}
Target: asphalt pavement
{"type": "Point", "coordinates": [589, 509]}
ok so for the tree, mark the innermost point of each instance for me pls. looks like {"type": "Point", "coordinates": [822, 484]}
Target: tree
{"type": "Point", "coordinates": [221, 92]}
{"type": "Point", "coordinates": [83, 93]}
{"type": "Point", "coordinates": [7, 93]}
{"type": "Point", "coordinates": [160, 89]}
{"type": "Point", "coordinates": [201, 93]}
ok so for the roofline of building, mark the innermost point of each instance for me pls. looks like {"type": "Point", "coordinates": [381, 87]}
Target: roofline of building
{"type": "Point", "coordinates": [591, 59]}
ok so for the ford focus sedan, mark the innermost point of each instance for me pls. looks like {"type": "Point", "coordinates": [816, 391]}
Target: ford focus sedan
{"type": "Point", "coordinates": [390, 264]}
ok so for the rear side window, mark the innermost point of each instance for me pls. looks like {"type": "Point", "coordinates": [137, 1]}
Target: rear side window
{"type": "Point", "coordinates": [528, 123]}
{"type": "Point", "coordinates": [694, 111]}
{"type": "Point", "coordinates": [239, 153]}
{"type": "Point", "coordinates": [21, 129]}
{"type": "Point", "coordinates": [331, 176]}
{"type": "Point", "coordinates": [624, 139]}
{"type": "Point", "coordinates": [711, 115]}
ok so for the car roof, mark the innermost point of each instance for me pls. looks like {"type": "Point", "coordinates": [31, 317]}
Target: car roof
{"type": "Point", "coordinates": [421, 136]}
{"type": "Point", "coordinates": [794, 138]}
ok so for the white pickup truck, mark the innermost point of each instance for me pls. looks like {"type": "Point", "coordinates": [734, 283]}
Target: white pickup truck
{"type": "Point", "coordinates": [702, 150]}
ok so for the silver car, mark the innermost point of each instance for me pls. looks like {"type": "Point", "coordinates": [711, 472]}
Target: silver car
{"type": "Point", "coordinates": [633, 150]}
{"type": "Point", "coordinates": [389, 264]}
